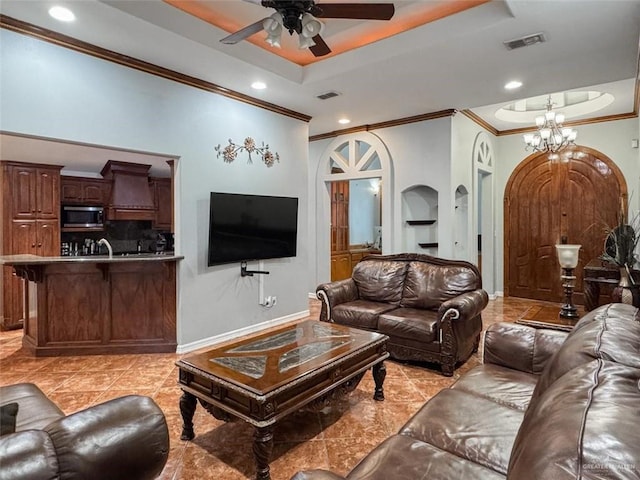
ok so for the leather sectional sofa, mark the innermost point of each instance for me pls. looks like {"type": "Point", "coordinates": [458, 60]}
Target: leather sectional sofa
{"type": "Point", "coordinates": [544, 405]}
{"type": "Point", "coordinates": [124, 438]}
{"type": "Point", "coordinates": [428, 306]}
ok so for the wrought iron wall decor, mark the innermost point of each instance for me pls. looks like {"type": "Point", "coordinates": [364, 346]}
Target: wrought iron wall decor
{"type": "Point", "coordinates": [230, 152]}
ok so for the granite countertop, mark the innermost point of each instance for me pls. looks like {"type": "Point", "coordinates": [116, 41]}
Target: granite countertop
{"type": "Point", "coordinates": [38, 260]}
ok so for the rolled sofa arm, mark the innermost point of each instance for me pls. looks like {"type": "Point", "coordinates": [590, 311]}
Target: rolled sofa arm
{"type": "Point", "coordinates": [317, 475]}
{"type": "Point", "coordinates": [27, 454]}
{"type": "Point", "coordinates": [521, 347]}
{"type": "Point", "coordinates": [335, 293]}
{"type": "Point", "coordinates": [468, 305]}
{"type": "Point", "coordinates": [123, 438]}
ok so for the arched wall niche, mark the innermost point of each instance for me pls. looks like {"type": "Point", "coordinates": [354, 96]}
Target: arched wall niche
{"type": "Point", "coordinates": [419, 207]}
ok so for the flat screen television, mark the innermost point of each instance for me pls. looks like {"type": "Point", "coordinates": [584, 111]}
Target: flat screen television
{"type": "Point", "coordinates": [251, 227]}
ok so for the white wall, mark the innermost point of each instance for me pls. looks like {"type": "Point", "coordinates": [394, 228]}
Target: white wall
{"type": "Point", "coordinates": [420, 155]}
{"type": "Point", "coordinates": [51, 91]}
{"type": "Point", "coordinates": [439, 153]}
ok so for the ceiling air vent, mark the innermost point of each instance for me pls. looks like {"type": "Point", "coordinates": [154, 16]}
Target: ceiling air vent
{"type": "Point", "coordinates": [327, 95]}
{"type": "Point", "coordinates": [525, 41]}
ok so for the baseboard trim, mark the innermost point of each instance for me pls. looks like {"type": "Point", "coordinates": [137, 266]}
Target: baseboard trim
{"type": "Point", "coordinates": [207, 342]}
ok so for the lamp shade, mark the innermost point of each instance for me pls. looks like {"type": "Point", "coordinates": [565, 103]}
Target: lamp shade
{"type": "Point", "coordinates": [568, 255]}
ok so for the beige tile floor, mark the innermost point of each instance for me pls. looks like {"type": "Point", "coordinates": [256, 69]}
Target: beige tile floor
{"type": "Point", "coordinates": [335, 439]}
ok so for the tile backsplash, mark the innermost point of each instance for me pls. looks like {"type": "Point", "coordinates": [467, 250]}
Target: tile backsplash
{"type": "Point", "coordinates": [123, 235]}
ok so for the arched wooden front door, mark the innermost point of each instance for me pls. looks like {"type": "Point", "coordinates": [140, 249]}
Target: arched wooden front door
{"type": "Point", "coordinates": [546, 201]}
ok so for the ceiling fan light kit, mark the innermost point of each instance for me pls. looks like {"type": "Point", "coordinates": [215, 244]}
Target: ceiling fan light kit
{"type": "Point", "coordinates": [301, 16]}
{"type": "Point", "coordinates": [273, 26]}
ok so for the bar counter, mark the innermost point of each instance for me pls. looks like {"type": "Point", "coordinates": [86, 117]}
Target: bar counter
{"type": "Point", "coordinates": [97, 304]}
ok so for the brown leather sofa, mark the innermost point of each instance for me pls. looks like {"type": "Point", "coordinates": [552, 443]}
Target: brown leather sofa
{"type": "Point", "coordinates": [428, 306]}
{"type": "Point", "coordinates": [545, 405]}
{"type": "Point", "coordinates": [125, 438]}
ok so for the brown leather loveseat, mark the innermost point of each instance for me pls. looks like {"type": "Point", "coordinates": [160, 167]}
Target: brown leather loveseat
{"type": "Point", "coordinates": [428, 306]}
{"type": "Point", "coordinates": [124, 438]}
{"type": "Point", "coordinates": [545, 405]}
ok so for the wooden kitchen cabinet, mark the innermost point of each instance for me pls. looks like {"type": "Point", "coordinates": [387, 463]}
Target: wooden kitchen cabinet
{"type": "Point", "coordinates": [163, 203]}
{"type": "Point", "coordinates": [36, 237]}
{"type": "Point", "coordinates": [340, 266]}
{"type": "Point", "coordinates": [35, 191]}
{"type": "Point", "coordinates": [98, 308]}
{"type": "Point", "coordinates": [30, 224]}
{"type": "Point", "coordinates": [82, 190]}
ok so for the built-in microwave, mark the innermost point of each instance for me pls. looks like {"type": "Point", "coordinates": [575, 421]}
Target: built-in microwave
{"type": "Point", "coordinates": [81, 216]}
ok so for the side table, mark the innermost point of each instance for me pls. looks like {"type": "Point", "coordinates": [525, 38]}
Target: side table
{"type": "Point", "coordinates": [598, 274]}
{"type": "Point", "coordinates": [548, 317]}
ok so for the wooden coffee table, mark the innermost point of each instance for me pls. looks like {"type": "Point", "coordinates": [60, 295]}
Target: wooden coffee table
{"type": "Point", "coordinates": [265, 377]}
{"type": "Point", "coordinates": [549, 317]}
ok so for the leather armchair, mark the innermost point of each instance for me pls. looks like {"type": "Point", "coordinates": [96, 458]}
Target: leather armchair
{"type": "Point", "coordinates": [123, 438]}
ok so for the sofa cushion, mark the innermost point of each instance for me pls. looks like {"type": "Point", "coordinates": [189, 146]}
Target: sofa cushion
{"type": "Point", "coordinates": [427, 286]}
{"type": "Point", "coordinates": [380, 281]}
{"type": "Point", "coordinates": [610, 332]}
{"type": "Point", "coordinates": [411, 323]}
{"type": "Point", "coordinates": [8, 415]}
{"type": "Point", "coordinates": [583, 426]}
{"type": "Point", "coordinates": [359, 313]}
{"type": "Point", "coordinates": [405, 458]}
{"type": "Point", "coordinates": [505, 386]}
{"type": "Point", "coordinates": [468, 426]}
{"type": "Point", "coordinates": [36, 410]}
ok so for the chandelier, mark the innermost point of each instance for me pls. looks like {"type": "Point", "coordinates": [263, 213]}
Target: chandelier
{"type": "Point", "coordinates": [551, 135]}
{"type": "Point", "coordinates": [306, 25]}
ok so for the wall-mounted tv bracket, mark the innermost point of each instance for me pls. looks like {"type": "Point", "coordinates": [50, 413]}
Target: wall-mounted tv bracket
{"type": "Point", "coordinates": [249, 273]}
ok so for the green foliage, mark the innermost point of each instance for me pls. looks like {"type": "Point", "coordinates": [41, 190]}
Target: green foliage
{"type": "Point", "coordinates": [622, 241]}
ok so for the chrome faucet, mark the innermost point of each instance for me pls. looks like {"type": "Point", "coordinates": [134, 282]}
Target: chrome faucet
{"type": "Point", "coordinates": [104, 241]}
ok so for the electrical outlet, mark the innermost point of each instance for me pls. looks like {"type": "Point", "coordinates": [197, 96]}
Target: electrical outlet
{"type": "Point", "coordinates": [270, 301]}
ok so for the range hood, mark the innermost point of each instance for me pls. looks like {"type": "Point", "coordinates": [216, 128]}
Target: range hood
{"type": "Point", "coordinates": [131, 197]}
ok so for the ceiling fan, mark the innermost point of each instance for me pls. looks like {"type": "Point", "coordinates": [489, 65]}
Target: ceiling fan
{"type": "Point", "coordinates": [301, 16]}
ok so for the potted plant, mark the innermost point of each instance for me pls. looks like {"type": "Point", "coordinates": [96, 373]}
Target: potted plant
{"type": "Point", "coordinates": [620, 248]}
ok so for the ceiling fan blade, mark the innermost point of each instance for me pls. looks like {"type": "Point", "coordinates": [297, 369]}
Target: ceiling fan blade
{"type": "Point", "coordinates": [364, 11]}
{"type": "Point", "coordinates": [320, 49]}
{"type": "Point", "coordinates": [243, 33]}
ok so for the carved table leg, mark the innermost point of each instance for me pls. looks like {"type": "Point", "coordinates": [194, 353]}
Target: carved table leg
{"type": "Point", "coordinates": [187, 409]}
{"type": "Point", "coordinates": [379, 373]}
{"type": "Point", "coordinates": [262, 447]}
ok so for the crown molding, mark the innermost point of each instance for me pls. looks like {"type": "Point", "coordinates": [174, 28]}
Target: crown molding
{"type": "Point", "coordinates": [389, 123]}
{"type": "Point", "coordinates": [71, 43]}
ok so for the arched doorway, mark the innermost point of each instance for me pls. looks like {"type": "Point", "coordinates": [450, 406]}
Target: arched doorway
{"type": "Point", "coordinates": [360, 158]}
{"type": "Point", "coordinates": [548, 202]}
{"type": "Point", "coordinates": [481, 244]}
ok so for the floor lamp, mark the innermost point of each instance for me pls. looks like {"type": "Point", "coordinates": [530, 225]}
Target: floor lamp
{"type": "Point", "coordinates": [568, 258]}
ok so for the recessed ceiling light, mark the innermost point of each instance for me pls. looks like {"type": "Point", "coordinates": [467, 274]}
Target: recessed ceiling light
{"type": "Point", "coordinates": [344, 121]}
{"type": "Point", "coordinates": [62, 13]}
{"type": "Point", "coordinates": [513, 84]}
{"type": "Point", "coordinates": [258, 85]}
